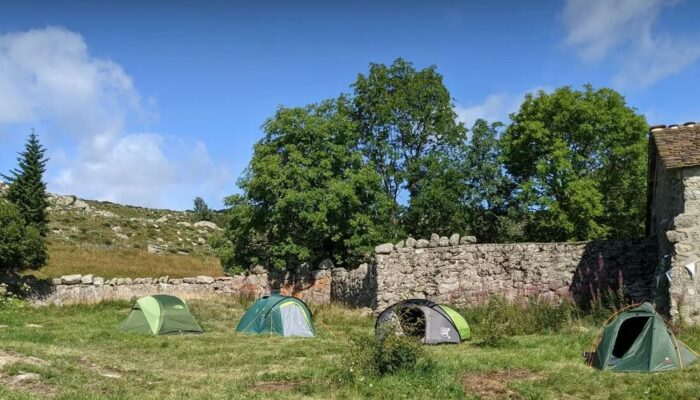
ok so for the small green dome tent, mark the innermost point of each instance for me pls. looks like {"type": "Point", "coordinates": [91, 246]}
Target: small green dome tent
{"type": "Point", "coordinates": [638, 339]}
{"type": "Point", "coordinates": [278, 315]}
{"type": "Point", "coordinates": [160, 314]}
{"type": "Point", "coordinates": [433, 323]}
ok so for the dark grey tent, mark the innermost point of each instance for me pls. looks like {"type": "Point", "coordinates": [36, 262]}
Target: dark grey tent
{"type": "Point", "coordinates": [432, 323]}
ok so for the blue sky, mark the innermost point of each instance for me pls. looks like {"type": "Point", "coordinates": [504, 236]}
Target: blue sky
{"type": "Point", "coordinates": [153, 103]}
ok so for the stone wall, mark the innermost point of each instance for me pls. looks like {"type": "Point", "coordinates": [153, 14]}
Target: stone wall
{"type": "Point", "coordinates": [311, 285]}
{"type": "Point", "coordinates": [456, 271]}
{"type": "Point", "coordinates": [677, 291]}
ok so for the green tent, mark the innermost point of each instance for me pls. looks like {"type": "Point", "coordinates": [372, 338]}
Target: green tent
{"type": "Point", "coordinates": [278, 315]}
{"type": "Point", "coordinates": [638, 339]}
{"type": "Point", "coordinates": [433, 323]}
{"type": "Point", "coordinates": [160, 314]}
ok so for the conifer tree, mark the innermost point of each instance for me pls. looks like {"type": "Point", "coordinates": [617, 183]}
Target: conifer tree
{"type": "Point", "coordinates": [27, 188]}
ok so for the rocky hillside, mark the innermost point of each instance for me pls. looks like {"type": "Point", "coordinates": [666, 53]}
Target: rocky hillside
{"type": "Point", "coordinates": [75, 221]}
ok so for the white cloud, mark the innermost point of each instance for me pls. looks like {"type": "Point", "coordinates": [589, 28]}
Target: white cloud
{"type": "Point", "coordinates": [623, 30]}
{"type": "Point", "coordinates": [496, 107]}
{"type": "Point", "coordinates": [87, 105]}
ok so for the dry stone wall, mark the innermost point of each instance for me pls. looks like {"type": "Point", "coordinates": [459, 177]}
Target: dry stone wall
{"type": "Point", "coordinates": [457, 271]}
{"type": "Point", "coordinates": [310, 285]}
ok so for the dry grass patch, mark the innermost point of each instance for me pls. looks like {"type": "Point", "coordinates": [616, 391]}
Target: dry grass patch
{"type": "Point", "coordinates": [276, 386]}
{"type": "Point", "coordinates": [494, 384]}
{"type": "Point", "coordinates": [128, 263]}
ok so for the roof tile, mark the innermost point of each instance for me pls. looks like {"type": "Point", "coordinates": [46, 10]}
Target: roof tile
{"type": "Point", "coordinates": [678, 146]}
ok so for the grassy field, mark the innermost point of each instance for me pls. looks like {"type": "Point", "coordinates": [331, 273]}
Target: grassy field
{"type": "Point", "coordinates": [111, 262]}
{"type": "Point", "coordinates": [79, 354]}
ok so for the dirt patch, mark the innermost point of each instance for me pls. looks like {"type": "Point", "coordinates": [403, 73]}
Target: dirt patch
{"type": "Point", "coordinates": [278, 386]}
{"type": "Point", "coordinates": [494, 384]}
{"type": "Point", "coordinates": [25, 381]}
{"type": "Point", "coordinates": [8, 357]}
{"type": "Point", "coordinates": [107, 372]}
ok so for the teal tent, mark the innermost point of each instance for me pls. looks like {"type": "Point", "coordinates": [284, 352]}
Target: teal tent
{"type": "Point", "coordinates": [160, 314]}
{"type": "Point", "coordinates": [278, 315]}
{"type": "Point", "coordinates": [638, 339]}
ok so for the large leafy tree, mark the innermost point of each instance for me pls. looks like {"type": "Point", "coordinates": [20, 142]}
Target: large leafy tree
{"type": "Point", "coordinates": [491, 212]}
{"type": "Point", "coordinates": [439, 205]}
{"type": "Point", "coordinates": [404, 115]}
{"type": "Point", "coordinates": [21, 244]}
{"type": "Point", "coordinates": [308, 193]}
{"type": "Point", "coordinates": [579, 159]}
{"type": "Point", "coordinates": [27, 188]}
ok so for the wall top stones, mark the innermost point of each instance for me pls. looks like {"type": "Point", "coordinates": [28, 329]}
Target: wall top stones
{"type": "Point", "coordinates": [435, 241]}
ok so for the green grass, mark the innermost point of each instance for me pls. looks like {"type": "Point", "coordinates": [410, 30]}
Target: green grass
{"type": "Point", "coordinates": [79, 342]}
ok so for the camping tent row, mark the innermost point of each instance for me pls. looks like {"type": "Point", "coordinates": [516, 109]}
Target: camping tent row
{"type": "Point", "coordinates": [163, 314]}
{"type": "Point", "coordinates": [637, 339]}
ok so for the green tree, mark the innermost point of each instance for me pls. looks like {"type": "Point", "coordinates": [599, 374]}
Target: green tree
{"type": "Point", "coordinates": [492, 215]}
{"type": "Point", "coordinates": [403, 115]}
{"type": "Point", "coordinates": [21, 245]}
{"type": "Point", "coordinates": [439, 204]}
{"type": "Point", "coordinates": [27, 189]}
{"type": "Point", "coordinates": [308, 194]}
{"type": "Point", "coordinates": [202, 212]}
{"type": "Point", "coordinates": [579, 159]}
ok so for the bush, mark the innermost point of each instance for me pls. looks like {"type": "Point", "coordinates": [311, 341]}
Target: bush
{"type": "Point", "coordinates": [21, 246]}
{"type": "Point", "coordinates": [367, 356]}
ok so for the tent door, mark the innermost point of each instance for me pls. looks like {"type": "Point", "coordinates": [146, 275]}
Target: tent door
{"type": "Point", "coordinates": [627, 335]}
{"type": "Point", "coordinates": [294, 321]}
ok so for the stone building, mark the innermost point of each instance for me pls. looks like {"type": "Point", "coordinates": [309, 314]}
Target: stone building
{"type": "Point", "coordinates": [673, 218]}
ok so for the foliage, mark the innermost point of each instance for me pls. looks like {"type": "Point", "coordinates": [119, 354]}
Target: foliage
{"type": "Point", "coordinates": [439, 206]}
{"type": "Point", "coordinates": [27, 190]}
{"type": "Point", "coordinates": [496, 319]}
{"type": "Point", "coordinates": [21, 244]}
{"type": "Point", "coordinates": [491, 211]}
{"type": "Point", "coordinates": [579, 160]}
{"type": "Point", "coordinates": [201, 210]}
{"type": "Point", "coordinates": [403, 115]}
{"type": "Point", "coordinates": [367, 356]}
{"type": "Point", "coordinates": [308, 194]}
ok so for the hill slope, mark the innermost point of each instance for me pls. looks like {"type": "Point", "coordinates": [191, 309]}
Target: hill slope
{"type": "Point", "coordinates": [113, 240]}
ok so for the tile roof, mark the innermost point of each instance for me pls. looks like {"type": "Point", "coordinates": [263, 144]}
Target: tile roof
{"type": "Point", "coordinates": [678, 146]}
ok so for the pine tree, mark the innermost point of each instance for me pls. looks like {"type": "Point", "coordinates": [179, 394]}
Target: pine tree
{"type": "Point", "coordinates": [27, 189]}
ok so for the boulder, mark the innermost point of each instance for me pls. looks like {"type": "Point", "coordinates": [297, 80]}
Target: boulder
{"type": "Point", "coordinates": [410, 242]}
{"type": "Point", "coordinates": [203, 279]}
{"type": "Point", "coordinates": [162, 219]}
{"type": "Point", "coordinates": [98, 281]}
{"type": "Point", "coordinates": [121, 236]}
{"type": "Point", "coordinates": [385, 248]}
{"type": "Point", "coordinates": [201, 240]}
{"type": "Point", "coordinates": [454, 239]}
{"type": "Point", "coordinates": [206, 224]}
{"type": "Point", "coordinates": [189, 280]}
{"type": "Point", "coordinates": [434, 240]}
{"type": "Point", "coordinates": [80, 205]}
{"type": "Point", "coordinates": [326, 264]}
{"type": "Point", "coordinates": [467, 239]}
{"type": "Point", "coordinates": [163, 279]}
{"type": "Point", "coordinates": [444, 241]}
{"type": "Point", "coordinates": [71, 279]}
{"type": "Point", "coordinates": [105, 214]}
{"type": "Point", "coordinates": [86, 279]}
{"type": "Point", "coordinates": [154, 249]}
{"type": "Point", "coordinates": [185, 224]}
{"type": "Point", "coordinates": [400, 244]}
{"type": "Point", "coordinates": [258, 270]}
{"type": "Point", "coordinates": [422, 243]}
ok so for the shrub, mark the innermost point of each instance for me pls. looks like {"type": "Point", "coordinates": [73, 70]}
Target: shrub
{"type": "Point", "coordinates": [367, 356]}
{"type": "Point", "coordinates": [21, 246]}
